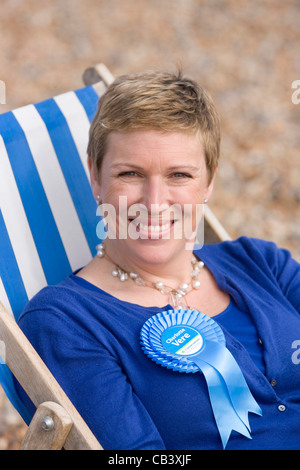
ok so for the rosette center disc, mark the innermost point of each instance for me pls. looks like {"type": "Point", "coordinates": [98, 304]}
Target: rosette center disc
{"type": "Point", "coordinates": [182, 340]}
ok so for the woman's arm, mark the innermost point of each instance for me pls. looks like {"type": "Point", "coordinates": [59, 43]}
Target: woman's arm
{"type": "Point", "coordinates": [94, 381]}
{"type": "Point", "coordinates": [286, 270]}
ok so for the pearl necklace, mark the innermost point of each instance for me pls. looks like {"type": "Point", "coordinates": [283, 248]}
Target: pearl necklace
{"type": "Point", "coordinates": [176, 296]}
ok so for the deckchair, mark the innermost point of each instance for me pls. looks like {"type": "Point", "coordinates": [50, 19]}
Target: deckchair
{"type": "Point", "coordinates": [47, 230]}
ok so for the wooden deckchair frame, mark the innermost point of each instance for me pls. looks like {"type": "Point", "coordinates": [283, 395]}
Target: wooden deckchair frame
{"type": "Point", "coordinates": [69, 431]}
{"type": "Point", "coordinates": [57, 423]}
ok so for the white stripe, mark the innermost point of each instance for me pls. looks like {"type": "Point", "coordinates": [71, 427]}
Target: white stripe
{"type": "Point", "coordinates": [18, 228]}
{"type": "Point", "coordinates": [4, 299]}
{"type": "Point", "coordinates": [55, 187]}
{"type": "Point", "coordinates": [78, 123]}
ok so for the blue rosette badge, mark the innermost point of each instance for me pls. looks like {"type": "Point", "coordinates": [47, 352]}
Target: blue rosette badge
{"type": "Point", "coordinates": [189, 341]}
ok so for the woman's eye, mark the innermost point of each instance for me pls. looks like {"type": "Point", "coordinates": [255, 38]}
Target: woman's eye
{"type": "Point", "coordinates": [128, 173]}
{"type": "Point", "coordinates": [181, 175]}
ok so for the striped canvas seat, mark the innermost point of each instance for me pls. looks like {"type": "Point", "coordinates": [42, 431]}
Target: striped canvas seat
{"type": "Point", "coordinates": [47, 210]}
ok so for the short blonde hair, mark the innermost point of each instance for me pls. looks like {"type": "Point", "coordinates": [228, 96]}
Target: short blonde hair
{"type": "Point", "coordinates": [155, 101]}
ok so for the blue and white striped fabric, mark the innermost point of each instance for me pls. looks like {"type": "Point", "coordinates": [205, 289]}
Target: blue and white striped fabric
{"type": "Point", "coordinates": [47, 210]}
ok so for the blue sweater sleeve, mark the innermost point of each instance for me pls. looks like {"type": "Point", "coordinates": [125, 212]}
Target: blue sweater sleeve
{"type": "Point", "coordinates": [94, 381]}
{"type": "Point", "coordinates": [254, 261]}
{"type": "Point", "coordinates": [288, 275]}
{"type": "Point", "coordinates": [285, 269]}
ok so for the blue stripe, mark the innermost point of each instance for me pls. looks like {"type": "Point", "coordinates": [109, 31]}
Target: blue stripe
{"type": "Point", "coordinates": [15, 291]}
{"type": "Point", "coordinates": [72, 168]}
{"type": "Point", "coordinates": [7, 382]}
{"type": "Point", "coordinates": [89, 100]}
{"type": "Point", "coordinates": [40, 218]}
{"type": "Point", "coordinates": [10, 274]}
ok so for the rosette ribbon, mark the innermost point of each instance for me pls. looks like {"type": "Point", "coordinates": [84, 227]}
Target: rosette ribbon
{"type": "Point", "coordinates": [189, 341]}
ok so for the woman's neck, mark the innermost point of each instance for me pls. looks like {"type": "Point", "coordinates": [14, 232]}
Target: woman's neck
{"type": "Point", "coordinates": [172, 272]}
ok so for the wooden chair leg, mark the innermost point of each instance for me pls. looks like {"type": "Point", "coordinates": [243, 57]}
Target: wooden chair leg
{"type": "Point", "coordinates": [48, 429]}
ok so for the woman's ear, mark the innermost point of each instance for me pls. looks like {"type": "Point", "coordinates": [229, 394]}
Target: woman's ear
{"type": "Point", "coordinates": [94, 179]}
{"type": "Point", "coordinates": [210, 186]}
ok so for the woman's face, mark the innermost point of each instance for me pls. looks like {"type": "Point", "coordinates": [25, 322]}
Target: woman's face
{"type": "Point", "coordinates": [156, 184]}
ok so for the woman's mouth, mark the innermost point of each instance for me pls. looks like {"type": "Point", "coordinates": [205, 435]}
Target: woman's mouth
{"type": "Point", "coordinates": [153, 229]}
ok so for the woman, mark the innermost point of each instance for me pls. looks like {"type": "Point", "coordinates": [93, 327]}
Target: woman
{"type": "Point", "coordinates": [153, 156]}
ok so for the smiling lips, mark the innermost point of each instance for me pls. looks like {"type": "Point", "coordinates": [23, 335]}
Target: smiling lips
{"type": "Point", "coordinates": [152, 228]}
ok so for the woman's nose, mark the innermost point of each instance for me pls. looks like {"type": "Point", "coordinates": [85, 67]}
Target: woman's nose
{"type": "Point", "coordinates": [155, 194]}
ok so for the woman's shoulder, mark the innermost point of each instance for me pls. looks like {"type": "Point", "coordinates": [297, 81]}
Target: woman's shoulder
{"type": "Point", "coordinates": [67, 299]}
{"type": "Point", "coordinates": [245, 251]}
{"type": "Point", "coordinates": [51, 294]}
{"type": "Point", "coordinates": [242, 246]}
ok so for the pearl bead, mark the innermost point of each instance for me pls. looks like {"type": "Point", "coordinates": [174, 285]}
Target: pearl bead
{"type": "Point", "coordinates": [196, 284]}
{"type": "Point", "coordinates": [184, 286]}
{"type": "Point", "coordinates": [133, 275]}
{"type": "Point", "coordinates": [159, 285]}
